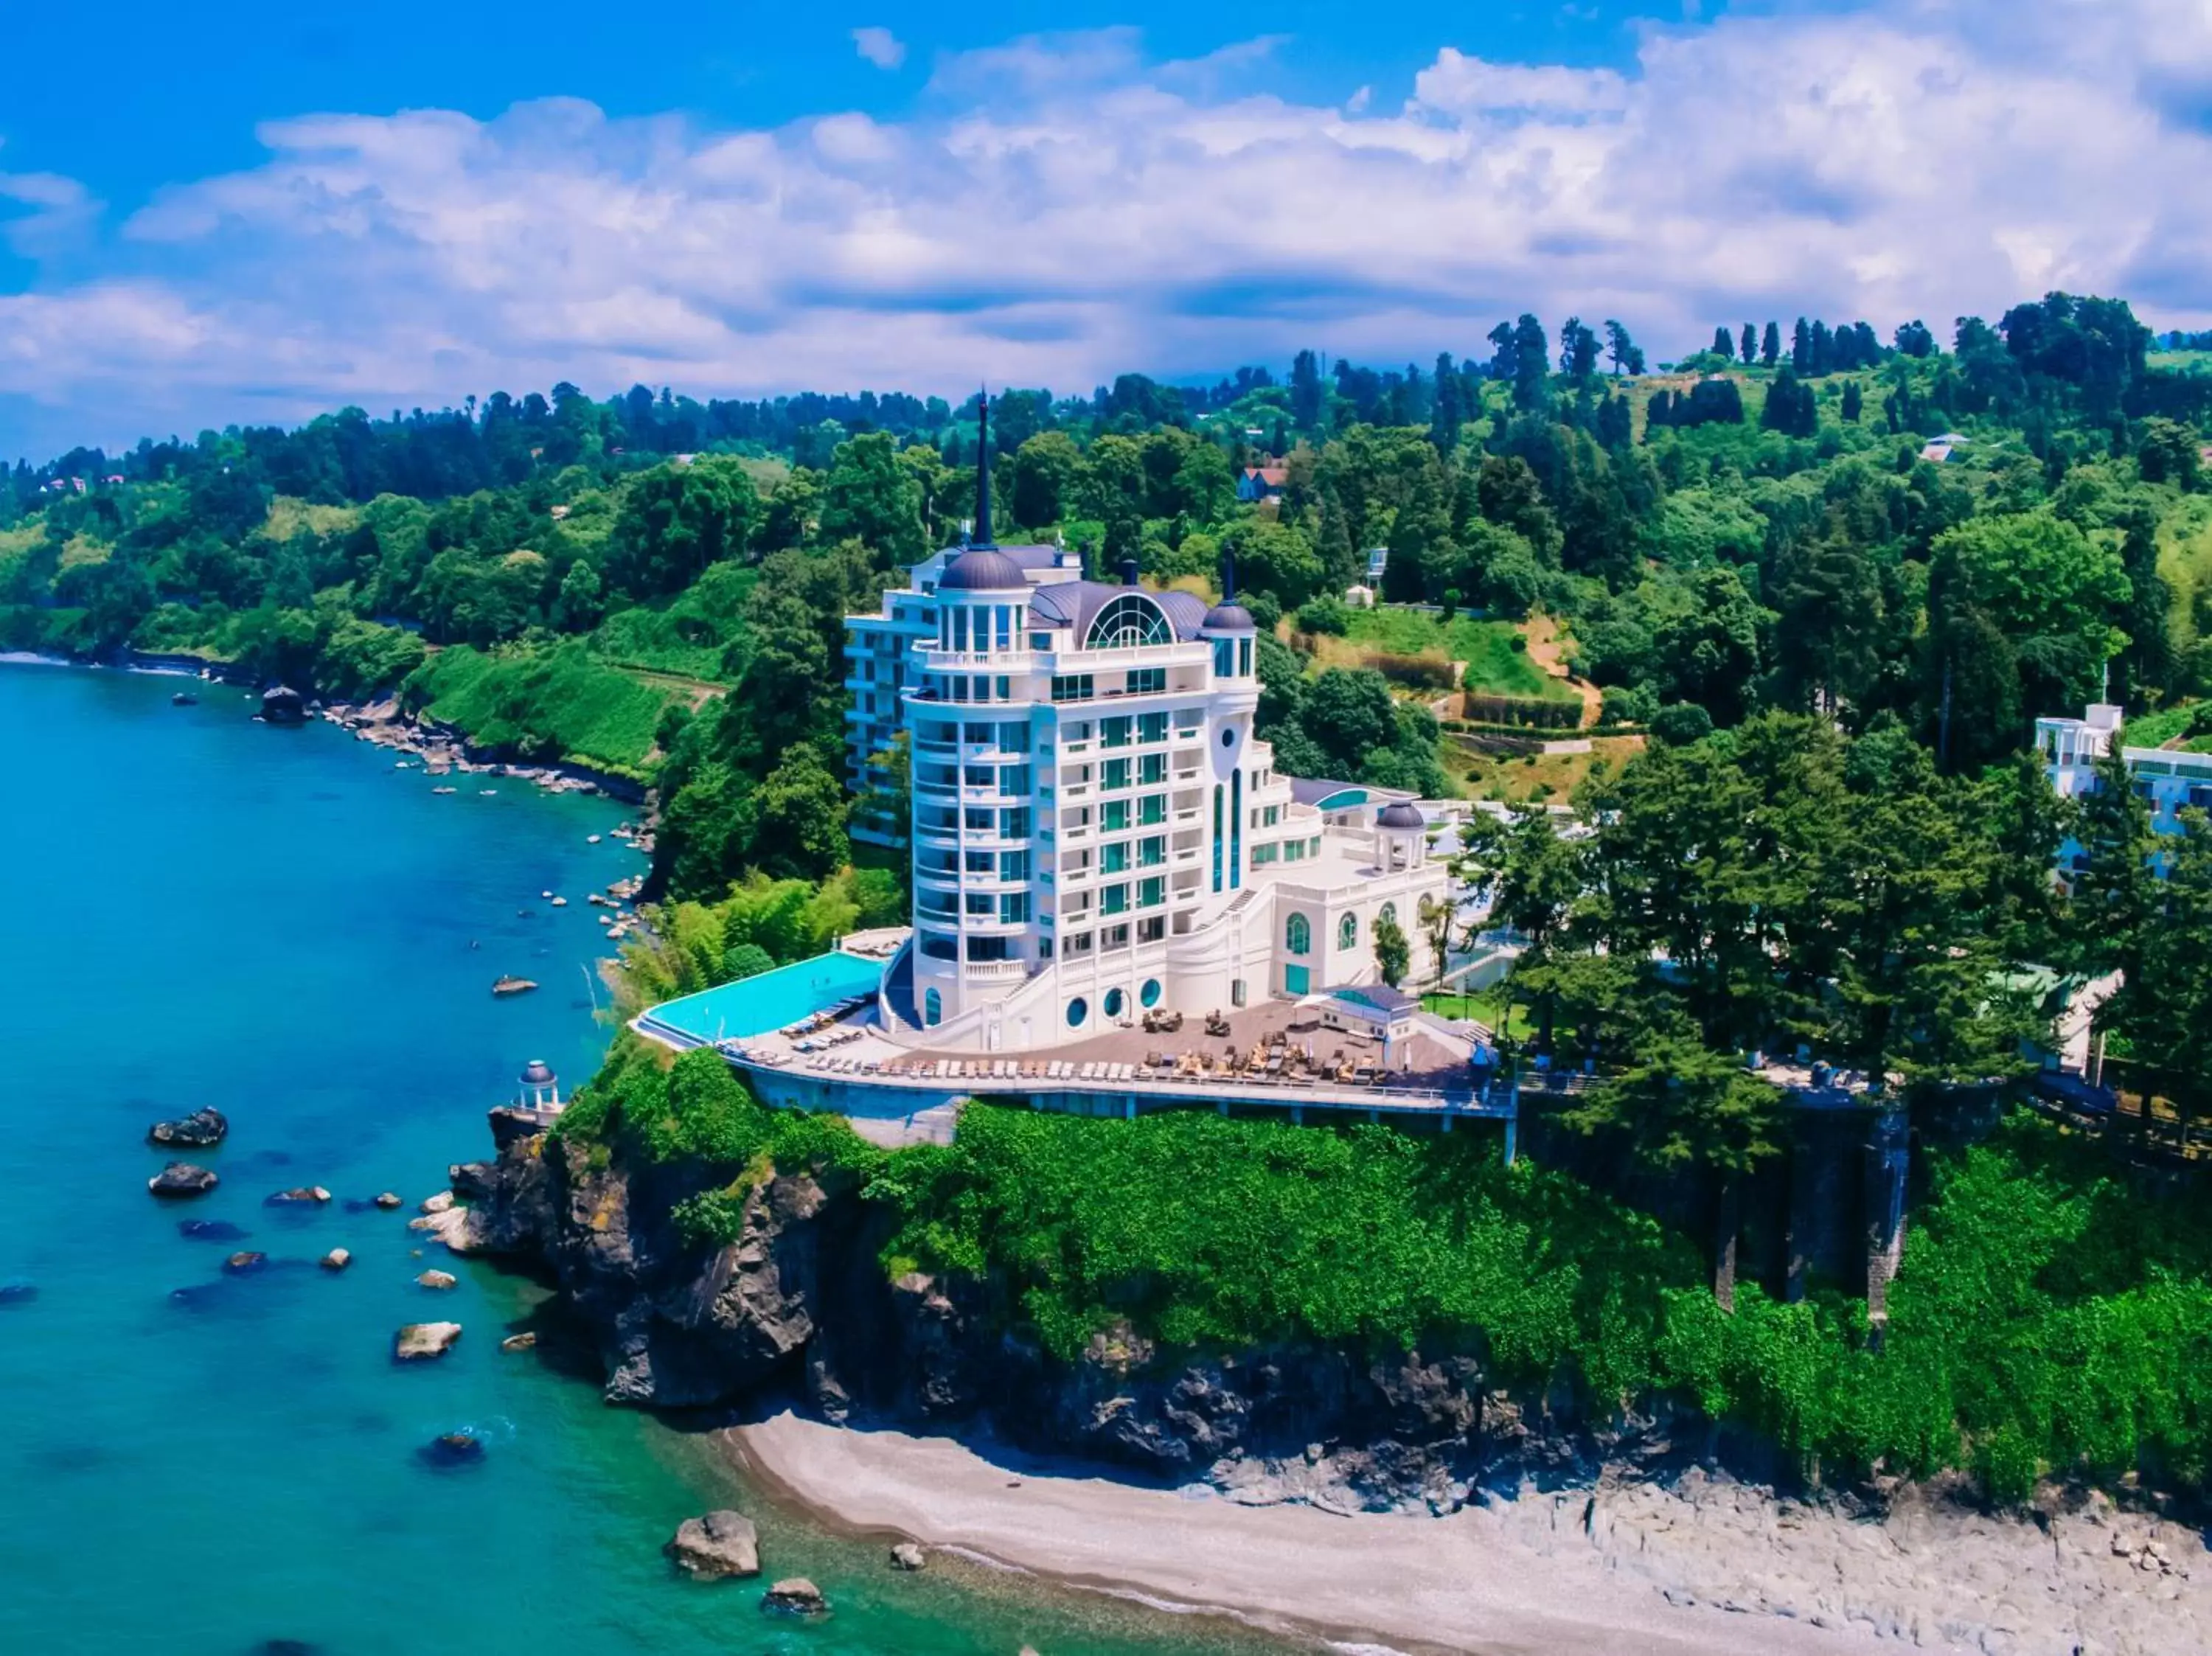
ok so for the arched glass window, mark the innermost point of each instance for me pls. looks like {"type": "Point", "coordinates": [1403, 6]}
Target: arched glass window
{"type": "Point", "coordinates": [1078, 1010]}
{"type": "Point", "coordinates": [1348, 932]}
{"type": "Point", "coordinates": [933, 1009]}
{"type": "Point", "coordinates": [1297, 935]}
{"type": "Point", "coordinates": [1387, 911]}
{"type": "Point", "coordinates": [1150, 994]}
{"type": "Point", "coordinates": [1114, 1002]}
{"type": "Point", "coordinates": [1129, 619]}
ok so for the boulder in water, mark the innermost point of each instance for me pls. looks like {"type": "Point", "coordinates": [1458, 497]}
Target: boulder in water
{"type": "Point", "coordinates": [388, 1200]}
{"type": "Point", "coordinates": [795, 1596]}
{"type": "Point", "coordinates": [453, 1449]}
{"type": "Point", "coordinates": [437, 1203]}
{"type": "Point", "coordinates": [182, 1179]}
{"type": "Point", "coordinates": [209, 1230]}
{"type": "Point", "coordinates": [907, 1557]}
{"type": "Point", "coordinates": [440, 1279]}
{"type": "Point", "coordinates": [716, 1546]}
{"type": "Point", "coordinates": [337, 1259]}
{"type": "Point", "coordinates": [304, 1195]}
{"type": "Point", "coordinates": [18, 1293]}
{"type": "Point", "coordinates": [283, 705]}
{"type": "Point", "coordinates": [522, 1342]}
{"type": "Point", "coordinates": [240, 1263]}
{"type": "Point", "coordinates": [418, 1342]}
{"type": "Point", "coordinates": [195, 1131]}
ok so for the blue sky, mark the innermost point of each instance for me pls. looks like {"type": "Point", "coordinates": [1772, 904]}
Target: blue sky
{"type": "Point", "coordinates": [258, 218]}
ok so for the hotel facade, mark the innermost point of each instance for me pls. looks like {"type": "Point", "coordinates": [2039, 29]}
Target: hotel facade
{"type": "Point", "coordinates": [1095, 830]}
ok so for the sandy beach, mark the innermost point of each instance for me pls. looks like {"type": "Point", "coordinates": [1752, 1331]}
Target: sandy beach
{"type": "Point", "coordinates": [1466, 1583]}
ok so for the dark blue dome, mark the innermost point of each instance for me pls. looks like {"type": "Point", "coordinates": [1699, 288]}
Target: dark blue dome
{"type": "Point", "coordinates": [1401, 815]}
{"type": "Point", "coordinates": [980, 569]}
{"type": "Point", "coordinates": [1227, 618]}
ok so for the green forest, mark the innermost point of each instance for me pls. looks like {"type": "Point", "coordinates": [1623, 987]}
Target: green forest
{"type": "Point", "coordinates": [1808, 590]}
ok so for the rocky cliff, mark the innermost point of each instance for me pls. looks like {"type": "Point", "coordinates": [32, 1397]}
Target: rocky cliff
{"type": "Point", "coordinates": [800, 1304]}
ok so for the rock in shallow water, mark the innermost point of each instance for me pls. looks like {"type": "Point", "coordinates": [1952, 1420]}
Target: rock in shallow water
{"type": "Point", "coordinates": [387, 1200]}
{"type": "Point", "coordinates": [908, 1556]}
{"type": "Point", "coordinates": [795, 1596]}
{"type": "Point", "coordinates": [305, 1196]}
{"type": "Point", "coordinates": [195, 1131]}
{"type": "Point", "coordinates": [337, 1259]}
{"type": "Point", "coordinates": [239, 1264]}
{"type": "Point", "coordinates": [18, 1293]}
{"type": "Point", "coordinates": [522, 1342]}
{"type": "Point", "coordinates": [418, 1341]}
{"type": "Point", "coordinates": [450, 1449]}
{"type": "Point", "coordinates": [437, 1279]}
{"type": "Point", "coordinates": [716, 1546]}
{"type": "Point", "coordinates": [209, 1230]}
{"type": "Point", "coordinates": [182, 1179]}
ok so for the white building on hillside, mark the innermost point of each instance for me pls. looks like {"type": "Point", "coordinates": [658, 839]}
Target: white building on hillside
{"type": "Point", "coordinates": [2168, 780]}
{"type": "Point", "coordinates": [1096, 829]}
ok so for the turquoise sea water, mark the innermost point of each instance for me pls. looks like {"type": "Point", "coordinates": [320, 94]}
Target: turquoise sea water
{"type": "Point", "coordinates": [205, 911]}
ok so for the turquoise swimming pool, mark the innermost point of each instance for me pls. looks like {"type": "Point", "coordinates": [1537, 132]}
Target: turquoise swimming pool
{"type": "Point", "coordinates": [753, 1006]}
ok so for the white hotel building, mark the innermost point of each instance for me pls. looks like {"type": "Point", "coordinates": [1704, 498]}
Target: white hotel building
{"type": "Point", "coordinates": [2168, 779]}
{"type": "Point", "coordinates": [1095, 830]}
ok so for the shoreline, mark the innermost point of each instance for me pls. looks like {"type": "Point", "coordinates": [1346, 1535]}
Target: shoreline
{"type": "Point", "coordinates": [381, 722]}
{"type": "Point", "coordinates": [1468, 1583]}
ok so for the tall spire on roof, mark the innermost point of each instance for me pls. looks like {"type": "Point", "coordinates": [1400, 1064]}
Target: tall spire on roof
{"type": "Point", "coordinates": [981, 535]}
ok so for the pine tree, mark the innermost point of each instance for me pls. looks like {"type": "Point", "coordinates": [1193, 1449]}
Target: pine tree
{"type": "Point", "coordinates": [1532, 363]}
{"type": "Point", "coordinates": [1724, 344]}
{"type": "Point", "coordinates": [1854, 401]}
{"type": "Point", "coordinates": [1444, 413]}
{"type": "Point", "coordinates": [1750, 348]}
{"type": "Point", "coordinates": [1769, 347]}
{"type": "Point", "coordinates": [1801, 349]}
{"type": "Point", "coordinates": [1621, 350]}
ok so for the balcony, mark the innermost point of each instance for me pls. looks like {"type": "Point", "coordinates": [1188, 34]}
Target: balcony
{"type": "Point", "coordinates": [993, 970]}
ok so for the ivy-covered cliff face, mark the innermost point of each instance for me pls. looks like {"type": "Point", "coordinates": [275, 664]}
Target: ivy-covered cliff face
{"type": "Point", "coordinates": [798, 1303]}
{"type": "Point", "coordinates": [1194, 1296]}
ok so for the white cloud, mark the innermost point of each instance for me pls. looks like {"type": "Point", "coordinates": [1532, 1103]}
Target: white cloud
{"type": "Point", "coordinates": [1059, 209]}
{"type": "Point", "coordinates": [879, 46]}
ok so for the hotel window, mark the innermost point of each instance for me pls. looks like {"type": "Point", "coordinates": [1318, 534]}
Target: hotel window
{"type": "Point", "coordinates": [980, 861]}
{"type": "Point", "coordinates": [1297, 935]}
{"type": "Point", "coordinates": [959, 688]}
{"type": "Point", "coordinates": [1151, 853]}
{"type": "Point", "coordinates": [978, 821]}
{"type": "Point", "coordinates": [1003, 631]}
{"type": "Point", "coordinates": [938, 947]}
{"type": "Point", "coordinates": [977, 902]}
{"type": "Point", "coordinates": [1152, 892]}
{"type": "Point", "coordinates": [1115, 773]}
{"type": "Point", "coordinates": [1014, 824]}
{"type": "Point", "coordinates": [1237, 991]}
{"type": "Point", "coordinates": [1114, 900]}
{"type": "Point", "coordinates": [1348, 932]}
{"type": "Point", "coordinates": [1152, 929]}
{"type": "Point", "coordinates": [1262, 854]}
{"type": "Point", "coordinates": [1006, 688]}
{"type": "Point", "coordinates": [1113, 858]}
{"type": "Point", "coordinates": [1013, 865]}
{"type": "Point", "coordinates": [1153, 810]}
{"type": "Point", "coordinates": [1113, 732]}
{"type": "Point", "coordinates": [1244, 657]}
{"type": "Point", "coordinates": [1070, 687]}
{"type": "Point", "coordinates": [1013, 779]}
{"type": "Point", "coordinates": [1044, 947]}
{"type": "Point", "coordinates": [1225, 658]}
{"type": "Point", "coordinates": [1040, 640]}
{"type": "Point", "coordinates": [1078, 944]}
{"type": "Point", "coordinates": [1293, 850]}
{"type": "Point", "coordinates": [1014, 908]}
{"type": "Point", "coordinates": [960, 631]}
{"type": "Point", "coordinates": [1114, 936]}
{"type": "Point", "coordinates": [1153, 727]}
{"type": "Point", "coordinates": [981, 734]}
{"type": "Point", "coordinates": [1148, 680]}
{"type": "Point", "coordinates": [1151, 770]}
{"type": "Point", "coordinates": [1114, 816]}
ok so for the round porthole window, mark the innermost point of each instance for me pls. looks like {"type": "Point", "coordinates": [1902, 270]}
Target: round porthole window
{"type": "Point", "coordinates": [1115, 1000]}
{"type": "Point", "coordinates": [1229, 737]}
{"type": "Point", "coordinates": [1150, 994]}
{"type": "Point", "coordinates": [1078, 1010]}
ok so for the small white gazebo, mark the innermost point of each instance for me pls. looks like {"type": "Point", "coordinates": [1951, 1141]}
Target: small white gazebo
{"type": "Point", "coordinates": [540, 1089]}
